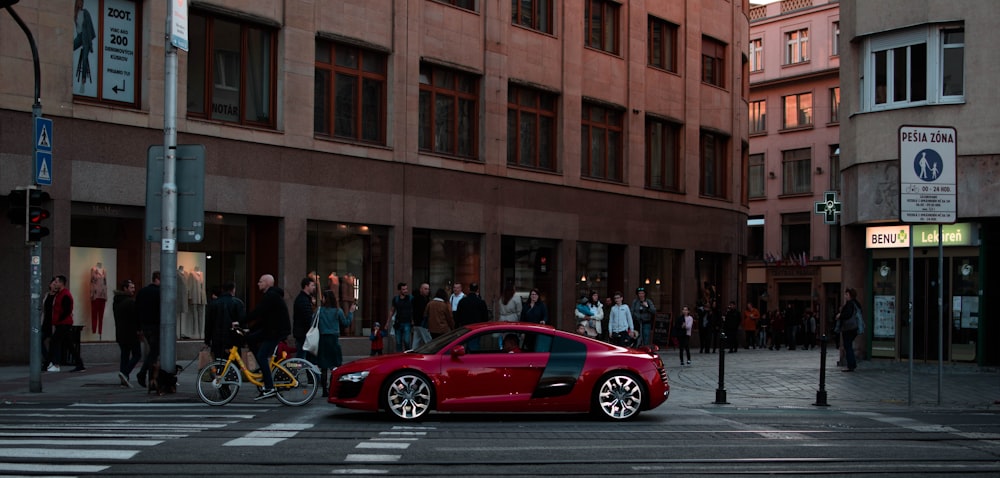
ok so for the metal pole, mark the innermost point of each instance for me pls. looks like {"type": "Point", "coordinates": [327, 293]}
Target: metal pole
{"type": "Point", "coordinates": [720, 393]}
{"type": "Point", "coordinates": [940, 311]}
{"type": "Point", "coordinates": [821, 393]}
{"type": "Point", "coordinates": [35, 287]}
{"type": "Point", "coordinates": [168, 240]}
{"type": "Point", "coordinates": [909, 323]}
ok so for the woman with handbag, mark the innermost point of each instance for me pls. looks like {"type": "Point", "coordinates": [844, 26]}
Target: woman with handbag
{"type": "Point", "coordinates": [331, 319]}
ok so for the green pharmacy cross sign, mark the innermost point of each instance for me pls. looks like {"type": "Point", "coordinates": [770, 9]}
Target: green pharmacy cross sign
{"type": "Point", "coordinates": [830, 208]}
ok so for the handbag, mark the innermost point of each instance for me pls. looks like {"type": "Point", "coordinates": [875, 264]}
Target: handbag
{"type": "Point", "coordinates": [311, 343]}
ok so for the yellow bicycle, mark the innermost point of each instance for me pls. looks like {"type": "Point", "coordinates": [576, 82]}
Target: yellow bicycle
{"type": "Point", "coordinates": [296, 380]}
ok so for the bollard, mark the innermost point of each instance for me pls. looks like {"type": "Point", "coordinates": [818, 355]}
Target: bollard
{"type": "Point", "coordinates": [821, 393]}
{"type": "Point", "coordinates": [720, 393]}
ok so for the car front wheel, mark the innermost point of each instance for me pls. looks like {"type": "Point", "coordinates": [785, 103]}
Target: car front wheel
{"type": "Point", "coordinates": [408, 396]}
{"type": "Point", "coordinates": [619, 396]}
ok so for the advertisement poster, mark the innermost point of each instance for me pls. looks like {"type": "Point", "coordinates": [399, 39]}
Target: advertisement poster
{"type": "Point", "coordinates": [885, 316]}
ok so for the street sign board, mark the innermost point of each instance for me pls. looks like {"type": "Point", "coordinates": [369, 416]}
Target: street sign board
{"type": "Point", "coordinates": [927, 174]}
{"type": "Point", "coordinates": [43, 134]}
{"type": "Point", "coordinates": [190, 180]}
{"type": "Point", "coordinates": [43, 168]}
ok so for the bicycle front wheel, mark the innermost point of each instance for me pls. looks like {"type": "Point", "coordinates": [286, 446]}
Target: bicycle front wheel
{"type": "Point", "coordinates": [218, 384]}
{"type": "Point", "coordinates": [295, 381]}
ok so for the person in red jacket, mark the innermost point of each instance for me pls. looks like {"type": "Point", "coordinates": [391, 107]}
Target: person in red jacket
{"type": "Point", "coordinates": [62, 319]}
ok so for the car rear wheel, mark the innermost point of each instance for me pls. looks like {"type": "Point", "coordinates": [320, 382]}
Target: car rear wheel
{"type": "Point", "coordinates": [619, 396]}
{"type": "Point", "coordinates": [408, 396]}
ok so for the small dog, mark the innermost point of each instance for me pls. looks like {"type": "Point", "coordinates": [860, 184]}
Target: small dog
{"type": "Point", "coordinates": [162, 382]}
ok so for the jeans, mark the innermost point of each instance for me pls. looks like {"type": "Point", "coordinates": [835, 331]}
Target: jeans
{"type": "Point", "coordinates": [848, 341]}
{"type": "Point", "coordinates": [685, 341]}
{"type": "Point", "coordinates": [130, 356]}
{"type": "Point", "coordinates": [263, 356]}
{"type": "Point", "coordinates": [645, 334]}
{"type": "Point", "coordinates": [404, 336]}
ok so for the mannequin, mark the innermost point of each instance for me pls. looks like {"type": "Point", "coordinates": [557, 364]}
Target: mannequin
{"type": "Point", "coordinates": [347, 290]}
{"type": "Point", "coordinates": [182, 303]}
{"type": "Point", "coordinates": [333, 283]}
{"type": "Point", "coordinates": [196, 291]}
{"type": "Point", "coordinates": [98, 297]}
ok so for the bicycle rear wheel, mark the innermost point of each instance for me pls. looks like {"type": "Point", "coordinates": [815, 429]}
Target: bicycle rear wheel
{"type": "Point", "coordinates": [218, 384]}
{"type": "Point", "coordinates": [298, 385]}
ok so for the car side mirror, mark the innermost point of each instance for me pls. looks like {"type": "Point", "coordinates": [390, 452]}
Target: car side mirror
{"type": "Point", "coordinates": [458, 351]}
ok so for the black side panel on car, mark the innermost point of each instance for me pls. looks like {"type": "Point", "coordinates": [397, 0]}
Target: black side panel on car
{"type": "Point", "coordinates": [565, 365]}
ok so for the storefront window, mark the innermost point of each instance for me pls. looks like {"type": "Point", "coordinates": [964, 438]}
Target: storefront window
{"type": "Point", "coordinates": [884, 317]}
{"type": "Point", "coordinates": [658, 270]}
{"type": "Point", "coordinates": [964, 308]}
{"type": "Point", "coordinates": [352, 261]}
{"type": "Point", "coordinates": [528, 263]}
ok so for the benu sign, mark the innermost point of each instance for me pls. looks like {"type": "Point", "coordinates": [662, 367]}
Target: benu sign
{"type": "Point", "coordinates": [890, 237]}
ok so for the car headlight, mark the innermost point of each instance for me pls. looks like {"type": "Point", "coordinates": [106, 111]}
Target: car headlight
{"type": "Point", "coordinates": [354, 377]}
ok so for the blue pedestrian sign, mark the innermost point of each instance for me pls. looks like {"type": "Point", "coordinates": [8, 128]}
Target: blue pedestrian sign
{"type": "Point", "coordinates": [43, 134]}
{"type": "Point", "coordinates": [43, 168]}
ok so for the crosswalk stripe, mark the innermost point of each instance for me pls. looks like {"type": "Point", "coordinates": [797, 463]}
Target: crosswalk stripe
{"type": "Point", "coordinates": [369, 458]}
{"type": "Point", "coordinates": [156, 436]}
{"type": "Point", "coordinates": [383, 445]}
{"type": "Point", "coordinates": [67, 453]}
{"type": "Point", "coordinates": [89, 442]}
{"type": "Point", "coordinates": [51, 468]}
{"type": "Point", "coordinates": [269, 435]}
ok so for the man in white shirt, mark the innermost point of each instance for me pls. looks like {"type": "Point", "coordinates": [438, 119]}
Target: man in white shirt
{"type": "Point", "coordinates": [456, 296]}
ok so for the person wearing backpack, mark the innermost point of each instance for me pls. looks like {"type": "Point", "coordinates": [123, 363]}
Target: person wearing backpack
{"type": "Point", "coordinates": [849, 322]}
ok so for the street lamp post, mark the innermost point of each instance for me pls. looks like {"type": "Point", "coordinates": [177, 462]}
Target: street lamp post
{"type": "Point", "coordinates": [35, 322]}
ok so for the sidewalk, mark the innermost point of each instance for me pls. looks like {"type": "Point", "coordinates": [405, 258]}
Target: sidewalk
{"type": "Point", "coordinates": [753, 379]}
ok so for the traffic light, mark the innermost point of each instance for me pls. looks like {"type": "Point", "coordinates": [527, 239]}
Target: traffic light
{"type": "Point", "coordinates": [38, 202]}
{"type": "Point", "coordinates": [16, 203]}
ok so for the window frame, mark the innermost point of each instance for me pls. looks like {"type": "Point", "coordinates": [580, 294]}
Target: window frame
{"type": "Point", "coordinates": [713, 185]}
{"type": "Point", "coordinates": [796, 230]}
{"type": "Point", "coordinates": [612, 128]}
{"type": "Point", "coordinates": [434, 91]}
{"type": "Point", "coordinates": [804, 115]}
{"type": "Point", "coordinates": [834, 167]}
{"type": "Point", "coordinates": [797, 46]}
{"type": "Point", "coordinates": [537, 6]}
{"type": "Point", "coordinates": [666, 58]}
{"type": "Point", "coordinates": [757, 164]}
{"type": "Point", "coordinates": [796, 171]}
{"type": "Point", "coordinates": [932, 38]}
{"type": "Point", "coordinates": [516, 107]}
{"type": "Point", "coordinates": [469, 5]}
{"type": "Point", "coordinates": [210, 67]}
{"type": "Point", "coordinates": [758, 117]}
{"type": "Point", "coordinates": [609, 19]}
{"type": "Point", "coordinates": [834, 105]}
{"type": "Point", "coordinates": [669, 161]}
{"type": "Point", "coordinates": [713, 61]}
{"type": "Point", "coordinates": [360, 74]}
{"type": "Point", "coordinates": [756, 55]}
{"type": "Point", "coordinates": [835, 38]}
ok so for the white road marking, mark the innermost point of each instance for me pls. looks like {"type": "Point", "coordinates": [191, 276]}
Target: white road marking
{"type": "Point", "coordinates": [383, 445]}
{"type": "Point", "coordinates": [67, 453]}
{"type": "Point", "coordinates": [269, 435]}
{"type": "Point", "coordinates": [369, 458]}
{"type": "Point", "coordinates": [50, 468]}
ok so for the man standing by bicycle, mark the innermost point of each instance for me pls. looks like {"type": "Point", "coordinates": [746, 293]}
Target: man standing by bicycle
{"type": "Point", "coordinates": [269, 324]}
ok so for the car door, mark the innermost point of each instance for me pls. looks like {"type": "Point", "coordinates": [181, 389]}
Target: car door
{"type": "Point", "coordinates": [478, 375]}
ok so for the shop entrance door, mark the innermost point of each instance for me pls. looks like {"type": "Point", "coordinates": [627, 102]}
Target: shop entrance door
{"type": "Point", "coordinates": [925, 310]}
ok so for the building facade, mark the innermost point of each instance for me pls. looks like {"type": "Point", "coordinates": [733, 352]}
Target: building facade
{"type": "Point", "coordinates": [558, 145]}
{"type": "Point", "coordinates": [912, 64]}
{"type": "Point", "coordinates": [794, 112]}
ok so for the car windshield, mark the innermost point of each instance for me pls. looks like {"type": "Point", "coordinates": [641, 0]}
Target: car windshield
{"type": "Point", "coordinates": [435, 346]}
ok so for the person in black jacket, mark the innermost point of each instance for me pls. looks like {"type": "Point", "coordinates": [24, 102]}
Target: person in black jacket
{"type": "Point", "coordinates": [269, 324]}
{"type": "Point", "coordinates": [731, 324]}
{"type": "Point", "coordinates": [147, 305]}
{"type": "Point", "coordinates": [302, 317]}
{"type": "Point", "coordinates": [472, 309]}
{"type": "Point", "coordinates": [126, 330]}
{"type": "Point", "coordinates": [221, 315]}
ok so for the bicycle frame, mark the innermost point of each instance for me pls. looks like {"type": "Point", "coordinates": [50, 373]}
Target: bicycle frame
{"type": "Point", "coordinates": [256, 378]}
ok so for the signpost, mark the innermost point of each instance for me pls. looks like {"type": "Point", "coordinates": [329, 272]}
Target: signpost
{"type": "Point", "coordinates": [43, 151]}
{"type": "Point", "coordinates": [928, 194]}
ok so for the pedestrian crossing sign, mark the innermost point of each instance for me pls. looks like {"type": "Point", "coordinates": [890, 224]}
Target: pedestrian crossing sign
{"type": "Point", "coordinates": [43, 168]}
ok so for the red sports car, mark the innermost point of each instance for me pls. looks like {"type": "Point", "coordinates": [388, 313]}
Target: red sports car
{"type": "Point", "coordinates": [505, 367]}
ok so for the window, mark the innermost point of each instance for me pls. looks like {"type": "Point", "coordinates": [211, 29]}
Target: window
{"type": "Point", "coordinates": [601, 143]}
{"type": "Point", "coordinates": [795, 237]}
{"type": "Point", "coordinates": [533, 14]}
{"type": "Point", "coordinates": [662, 154]}
{"type": "Point", "coordinates": [835, 41]}
{"type": "Point", "coordinates": [466, 4]}
{"type": "Point", "coordinates": [234, 81]}
{"type": "Point", "coordinates": [662, 44]}
{"type": "Point", "coordinates": [449, 109]}
{"type": "Point", "coordinates": [755, 173]}
{"type": "Point", "coordinates": [835, 104]}
{"type": "Point", "coordinates": [796, 171]}
{"type": "Point", "coordinates": [797, 111]}
{"type": "Point", "coordinates": [602, 25]}
{"type": "Point", "coordinates": [797, 46]}
{"type": "Point", "coordinates": [758, 116]}
{"type": "Point", "coordinates": [713, 165]}
{"type": "Point", "coordinates": [106, 49]}
{"type": "Point", "coordinates": [834, 241]}
{"type": "Point", "coordinates": [350, 92]}
{"type": "Point", "coordinates": [835, 167]}
{"type": "Point", "coordinates": [713, 61]}
{"type": "Point", "coordinates": [755, 237]}
{"type": "Point", "coordinates": [756, 54]}
{"type": "Point", "coordinates": [914, 67]}
{"type": "Point", "coordinates": [531, 128]}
